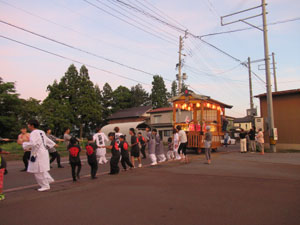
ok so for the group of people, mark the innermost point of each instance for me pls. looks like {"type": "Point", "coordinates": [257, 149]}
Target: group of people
{"type": "Point", "coordinates": [250, 141]}
{"type": "Point", "coordinates": [40, 150]}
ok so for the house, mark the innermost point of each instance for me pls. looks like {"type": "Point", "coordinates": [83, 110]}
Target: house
{"type": "Point", "coordinates": [161, 119]}
{"type": "Point", "coordinates": [286, 108]}
{"type": "Point", "coordinates": [244, 122]}
{"type": "Point", "coordinates": [136, 117]}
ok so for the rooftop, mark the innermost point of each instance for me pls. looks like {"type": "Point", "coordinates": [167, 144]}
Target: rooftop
{"type": "Point", "coordinates": [165, 109]}
{"type": "Point", "coordinates": [131, 112]}
{"type": "Point", "coordinates": [278, 93]}
{"type": "Point", "coordinates": [245, 119]}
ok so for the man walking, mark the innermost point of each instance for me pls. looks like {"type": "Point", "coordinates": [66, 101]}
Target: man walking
{"type": "Point", "coordinates": [39, 163]}
{"type": "Point", "coordinates": [252, 139]}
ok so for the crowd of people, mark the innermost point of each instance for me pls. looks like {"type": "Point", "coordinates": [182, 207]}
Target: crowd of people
{"type": "Point", "coordinates": [40, 151]}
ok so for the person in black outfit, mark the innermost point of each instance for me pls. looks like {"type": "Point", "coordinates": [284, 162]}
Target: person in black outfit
{"type": "Point", "coordinates": [252, 139]}
{"type": "Point", "coordinates": [74, 158]}
{"type": "Point", "coordinates": [143, 144]}
{"type": "Point", "coordinates": [124, 153]}
{"type": "Point", "coordinates": [115, 152]}
{"type": "Point", "coordinates": [91, 156]}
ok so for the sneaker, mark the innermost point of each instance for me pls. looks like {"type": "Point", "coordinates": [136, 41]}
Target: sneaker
{"type": "Point", "coordinates": [140, 165]}
{"type": "Point", "coordinates": [153, 164]}
{"type": "Point", "coordinates": [44, 189]}
{"type": "Point", "coordinates": [50, 180]}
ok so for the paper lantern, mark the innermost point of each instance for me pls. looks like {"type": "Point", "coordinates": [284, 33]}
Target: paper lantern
{"type": "Point", "coordinates": [198, 105]}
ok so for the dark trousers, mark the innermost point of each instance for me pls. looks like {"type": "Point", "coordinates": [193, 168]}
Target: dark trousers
{"type": "Point", "coordinates": [143, 151]}
{"type": "Point", "coordinates": [125, 160]}
{"type": "Point", "coordinates": [74, 172]}
{"type": "Point", "coordinates": [182, 147]}
{"type": "Point", "coordinates": [114, 164]}
{"type": "Point", "coordinates": [26, 157]}
{"type": "Point", "coordinates": [55, 155]}
{"type": "Point", "coordinates": [94, 168]}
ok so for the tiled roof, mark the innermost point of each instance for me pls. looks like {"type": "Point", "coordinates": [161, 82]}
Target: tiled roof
{"type": "Point", "coordinates": [131, 112]}
{"type": "Point", "coordinates": [165, 109]}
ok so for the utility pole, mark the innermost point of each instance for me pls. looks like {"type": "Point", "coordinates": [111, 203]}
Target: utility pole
{"type": "Point", "coordinates": [268, 79]}
{"type": "Point", "coordinates": [250, 84]}
{"type": "Point", "coordinates": [179, 67]}
{"type": "Point", "coordinates": [271, 129]}
{"type": "Point", "coordinates": [274, 71]}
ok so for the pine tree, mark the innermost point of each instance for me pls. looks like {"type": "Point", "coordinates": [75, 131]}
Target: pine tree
{"type": "Point", "coordinates": [159, 95]}
{"type": "Point", "coordinates": [139, 96]}
{"type": "Point", "coordinates": [174, 89]}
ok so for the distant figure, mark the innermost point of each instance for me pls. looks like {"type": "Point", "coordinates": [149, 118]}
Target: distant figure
{"type": "Point", "coordinates": [74, 158]}
{"type": "Point", "coordinates": [176, 144]}
{"type": "Point", "coordinates": [260, 141]}
{"type": "Point", "coordinates": [39, 163]}
{"type": "Point", "coordinates": [52, 151]}
{"type": "Point", "coordinates": [207, 144]}
{"type": "Point", "coordinates": [124, 153]}
{"type": "Point", "coordinates": [159, 148]}
{"type": "Point", "coordinates": [170, 153]}
{"type": "Point", "coordinates": [100, 139]}
{"type": "Point", "coordinates": [183, 143]}
{"type": "Point", "coordinates": [67, 136]}
{"type": "Point", "coordinates": [24, 137]}
{"type": "Point", "coordinates": [150, 136]}
{"type": "Point", "coordinates": [252, 139]}
{"type": "Point", "coordinates": [243, 141]}
{"type": "Point", "coordinates": [135, 149]}
{"type": "Point", "coordinates": [226, 139]}
{"type": "Point", "coordinates": [91, 149]}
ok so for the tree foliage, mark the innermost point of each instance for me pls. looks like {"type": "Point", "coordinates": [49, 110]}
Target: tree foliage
{"type": "Point", "coordinates": [159, 94]}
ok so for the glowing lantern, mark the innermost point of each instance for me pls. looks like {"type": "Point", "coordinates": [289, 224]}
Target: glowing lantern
{"type": "Point", "coordinates": [189, 108]}
{"type": "Point", "coordinates": [208, 105]}
{"type": "Point", "coordinates": [198, 105]}
{"type": "Point", "coordinates": [219, 108]}
{"type": "Point", "coordinates": [214, 107]}
{"type": "Point", "coordinates": [176, 105]}
{"type": "Point", "coordinates": [182, 107]}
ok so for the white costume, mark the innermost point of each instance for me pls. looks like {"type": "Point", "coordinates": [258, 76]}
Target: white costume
{"type": "Point", "coordinates": [40, 167]}
{"type": "Point", "coordinates": [151, 148]}
{"type": "Point", "coordinates": [159, 149]}
{"type": "Point", "coordinates": [100, 139]}
{"type": "Point", "coordinates": [176, 146]}
{"type": "Point", "coordinates": [117, 137]}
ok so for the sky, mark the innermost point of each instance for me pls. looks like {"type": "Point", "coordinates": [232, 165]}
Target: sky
{"type": "Point", "coordinates": [119, 32]}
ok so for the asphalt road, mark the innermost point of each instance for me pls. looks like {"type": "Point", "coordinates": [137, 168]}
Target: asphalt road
{"type": "Point", "coordinates": [236, 189]}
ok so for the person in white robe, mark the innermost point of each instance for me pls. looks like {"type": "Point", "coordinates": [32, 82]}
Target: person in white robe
{"type": "Point", "coordinates": [159, 148]}
{"type": "Point", "coordinates": [151, 146]}
{"type": "Point", "coordinates": [39, 163]}
{"type": "Point", "coordinates": [176, 144]}
{"type": "Point", "coordinates": [100, 139]}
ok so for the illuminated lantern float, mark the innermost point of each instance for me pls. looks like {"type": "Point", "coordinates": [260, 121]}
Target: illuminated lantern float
{"type": "Point", "coordinates": [193, 113]}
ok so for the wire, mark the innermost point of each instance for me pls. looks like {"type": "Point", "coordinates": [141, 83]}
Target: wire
{"type": "Point", "coordinates": [249, 28]}
{"type": "Point", "coordinates": [125, 21]}
{"type": "Point", "coordinates": [70, 59]}
{"type": "Point", "coordinates": [76, 48]}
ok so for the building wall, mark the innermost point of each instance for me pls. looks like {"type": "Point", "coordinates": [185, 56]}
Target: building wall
{"type": "Point", "coordinates": [126, 120]}
{"type": "Point", "coordinates": [245, 126]}
{"type": "Point", "coordinates": [286, 120]}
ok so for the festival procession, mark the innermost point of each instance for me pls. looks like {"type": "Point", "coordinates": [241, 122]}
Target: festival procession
{"type": "Point", "coordinates": [149, 112]}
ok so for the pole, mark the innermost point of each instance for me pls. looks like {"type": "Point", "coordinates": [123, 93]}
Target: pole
{"type": "Point", "coordinates": [268, 81]}
{"type": "Point", "coordinates": [179, 67]}
{"type": "Point", "coordinates": [250, 84]}
{"type": "Point", "coordinates": [274, 71]}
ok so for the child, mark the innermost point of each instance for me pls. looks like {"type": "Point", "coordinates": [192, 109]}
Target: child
{"type": "Point", "coordinates": [135, 150]}
{"type": "Point", "coordinates": [170, 153]}
{"type": "Point", "coordinates": [100, 139]}
{"type": "Point", "coordinates": [91, 148]}
{"type": "Point", "coordinates": [143, 144]}
{"type": "Point", "coordinates": [2, 170]}
{"type": "Point", "coordinates": [74, 158]}
{"type": "Point", "coordinates": [115, 158]}
{"type": "Point", "coordinates": [117, 134]}
{"type": "Point", "coordinates": [124, 152]}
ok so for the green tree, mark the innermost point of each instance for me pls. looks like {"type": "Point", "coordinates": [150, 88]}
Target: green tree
{"type": "Point", "coordinates": [107, 100]}
{"type": "Point", "coordinates": [9, 110]}
{"type": "Point", "coordinates": [30, 109]}
{"type": "Point", "coordinates": [174, 89]}
{"type": "Point", "coordinates": [139, 96]}
{"type": "Point", "coordinates": [159, 95]}
{"type": "Point", "coordinates": [121, 98]}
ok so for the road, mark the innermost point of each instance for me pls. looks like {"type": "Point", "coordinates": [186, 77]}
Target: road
{"type": "Point", "coordinates": [236, 188]}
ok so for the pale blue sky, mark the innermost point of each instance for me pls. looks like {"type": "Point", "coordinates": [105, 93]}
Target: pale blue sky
{"type": "Point", "coordinates": [209, 72]}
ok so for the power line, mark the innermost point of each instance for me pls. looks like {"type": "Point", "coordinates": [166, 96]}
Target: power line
{"type": "Point", "coordinates": [125, 21]}
{"type": "Point", "coordinates": [249, 28]}
{"type": "Point", "coordinates": [75, 31]}
{"type": "Point", "coordinates": [70, 59]}
{"type": "Point", "coordinates": [76, 48]}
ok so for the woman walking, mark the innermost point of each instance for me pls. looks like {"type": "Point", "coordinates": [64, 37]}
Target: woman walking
{"type": "Point", "coordinates": [207, 144]}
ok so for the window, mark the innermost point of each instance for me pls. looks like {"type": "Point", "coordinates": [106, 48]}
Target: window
{"type": "Point", "coordinates": [157, 119]}
{"type": "Point", "coordinates": [167, 133]}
